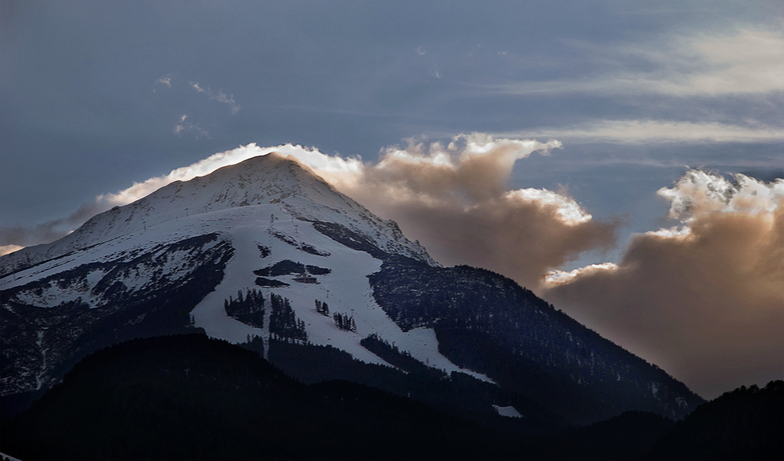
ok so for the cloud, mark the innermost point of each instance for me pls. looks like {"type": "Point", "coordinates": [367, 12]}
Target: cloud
{"type": "Point", "coordinates": [18, 236]}
{"type": "Point", "coordinates": [742, 64]}
{"type": "Point", "coordinates": [453, 198]}
{"type": "Point", "coordinates": [6, 249]}
{"type": "Point", "coordinates": [220, 96]}
{"type": "Point", "coordinates": [700, 194]}
{"type": "Point", "coordinates": [556, 277]}
{"type": "Point", "coordinates": [647, 131]}
{"type": "Point", "coordinates": [519, 237]}
{"type": "Point", "coordinates": [705, 300]}
{"type": "Point", "coordinates": [745, 61]}
{"type": "Point", "coordinates": [165, 81]}
{"type": "Point", "coordinates": [751, 61]}
{"type": "Point", "coordinates": [184, 126]}
{"type": "Point", "coordinates": [312, 157]}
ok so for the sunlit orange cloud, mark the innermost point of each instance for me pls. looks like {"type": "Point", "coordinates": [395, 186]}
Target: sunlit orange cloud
{"type": "Point", "coordinates": [454, 198]}
{"type": "Point", "coordinates": [5, 249]}
{"type": "Point", "coordinates": [704, 300]}
{"type": "Point", "coordinates": [731, 62]}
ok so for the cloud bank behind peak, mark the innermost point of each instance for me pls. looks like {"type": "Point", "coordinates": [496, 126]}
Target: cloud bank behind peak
{"type": "Point", "coordinates": [454, 198]}
{"type": "Point", "coordinates": [704, 299]}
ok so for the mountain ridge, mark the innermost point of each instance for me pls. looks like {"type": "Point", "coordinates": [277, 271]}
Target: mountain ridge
{"type": "Point", "coordinates": [266, 179]}
{"type": "Point", "coordinates": [147, 398]}
{"type": "Point", "coordinates": [266, 253]}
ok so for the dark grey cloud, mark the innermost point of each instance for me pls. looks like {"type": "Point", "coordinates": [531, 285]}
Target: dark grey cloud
{"type": "Point", "coordinates": [19, 236]}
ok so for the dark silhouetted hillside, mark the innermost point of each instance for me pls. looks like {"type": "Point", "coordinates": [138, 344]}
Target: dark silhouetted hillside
{"type": "Point", "coordinates": [747, 423]}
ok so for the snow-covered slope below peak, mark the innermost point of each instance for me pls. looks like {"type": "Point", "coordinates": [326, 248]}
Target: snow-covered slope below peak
{"type": "Point", "coordinates": [335, 274]}
{"type": "Point", "coordinates": [99, 280]}
{"type": "Point", "coordinates": [269, 179]}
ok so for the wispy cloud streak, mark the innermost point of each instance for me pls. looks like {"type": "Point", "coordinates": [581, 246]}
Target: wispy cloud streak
{"type": "Point", "coordinates": [184, 126]}
{"type": "Point", "coordinates": [164, 81]}
{"type": "Point", "coordinates": [747, 61]}
{"type": "Point", "coordinates": [220, 96]}
{"type": "Point", "coordinates": [660, 131]}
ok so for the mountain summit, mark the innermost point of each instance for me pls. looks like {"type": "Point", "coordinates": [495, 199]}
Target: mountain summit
{"type": "Point", "coordinates": [293, 189]}
{"type": "Point", "coordinates": [266, 254]}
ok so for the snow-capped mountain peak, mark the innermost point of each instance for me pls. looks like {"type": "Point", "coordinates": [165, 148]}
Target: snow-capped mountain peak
{"type": "Point", "coordinates": [265, 253]}
{"type": "Point", "coordinates": [260, 226]}
{"type": "Point", "coordinates": [294, 190]}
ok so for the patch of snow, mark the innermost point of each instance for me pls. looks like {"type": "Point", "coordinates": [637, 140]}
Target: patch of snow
{"type": "Point", "coordinates": [509, 411]}
{"type": "Point", "coordinates": [345, 289]}
{"type": "Point", "coordinates": [4, 456]}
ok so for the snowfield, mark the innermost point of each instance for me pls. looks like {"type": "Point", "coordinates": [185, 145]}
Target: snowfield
{"type": "Point", "coordinates": [267, 201]}
{"type": "Point", "coordinates": [346, 290]}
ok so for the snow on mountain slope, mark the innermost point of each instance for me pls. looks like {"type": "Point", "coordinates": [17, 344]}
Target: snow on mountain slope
{"type": "Point", "coordinates": [271, 178]}
{"type": "Point", "coordinates": [346, 290]}
{"type": "Point", "coordinates": [266, 209]}
{"type": "Point", "coordinates": [203, 253]}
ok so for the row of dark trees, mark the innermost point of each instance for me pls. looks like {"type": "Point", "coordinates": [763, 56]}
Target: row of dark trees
{"type": "Point", "coordinates": [322, 308]}
{"type": "Point", "coordinates": [345, 322]}
{"type": "Point", "coordinates": [283, 321]}
{"type": "Point", "coordinates": [391, 354]}
{"type": "Point", "coordinates": [248, 308]}
{"type": "Point", "coordinates": [288, 267]}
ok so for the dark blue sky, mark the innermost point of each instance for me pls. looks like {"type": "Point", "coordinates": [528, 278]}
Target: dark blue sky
{"type": "Point", "coordinates": [83, 110]}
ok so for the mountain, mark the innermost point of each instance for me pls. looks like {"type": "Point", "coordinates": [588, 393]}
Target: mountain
{"type": "Point", "coordinates": [746, 423]}
{"type": "Point", "coordinates": [287, 187]}
{"type": "Point", "coordinates": [266, 254]}
{"type": "Point", "coordinates": [191, 397]}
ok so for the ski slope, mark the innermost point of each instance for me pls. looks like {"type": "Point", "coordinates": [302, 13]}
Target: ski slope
{"type": "Point", "coordinates": [268, 201]}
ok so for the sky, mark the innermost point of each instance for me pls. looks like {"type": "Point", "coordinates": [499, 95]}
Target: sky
{"type": "Point", "coordinates": [625, 160]}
